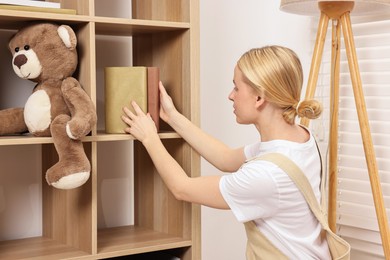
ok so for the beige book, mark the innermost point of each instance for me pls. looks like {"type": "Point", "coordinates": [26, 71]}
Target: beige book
{"type": "Point", "coordinates": [122, 86]}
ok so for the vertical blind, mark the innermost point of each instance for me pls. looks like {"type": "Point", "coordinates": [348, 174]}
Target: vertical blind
{"type": "Point", "coordinates": [356, 217]}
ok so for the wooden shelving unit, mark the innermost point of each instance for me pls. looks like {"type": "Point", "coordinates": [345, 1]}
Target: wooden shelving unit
{"type": "Point", "coordinates": [165, 33]}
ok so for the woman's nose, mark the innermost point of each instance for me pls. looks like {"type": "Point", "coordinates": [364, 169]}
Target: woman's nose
{"type": "Point", "coordinates": [230, 97]}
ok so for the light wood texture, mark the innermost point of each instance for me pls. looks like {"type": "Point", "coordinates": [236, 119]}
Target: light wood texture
{"type": "Point", "coordinates": [37, 9]}
{"type": "Point", "coordinates": [334, 122]}
{"type": "Point", "coordinates": [340, 13]}
{"type": "Point", "coordinates": [178, 75]}
{"type": "Point", "coordinates": [115, 241]}
{"type": "Point", "coordinates": [99, 137]}
{"type": "Point", "coordinates": [66, 213]}
{"type": "Point", "coordinates": [165, 35]}
{"type": "Point", "coordinates": [316, 60]}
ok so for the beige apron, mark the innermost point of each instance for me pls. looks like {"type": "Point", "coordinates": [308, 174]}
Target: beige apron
{"type": "Point", "coordinates": [258, 246]}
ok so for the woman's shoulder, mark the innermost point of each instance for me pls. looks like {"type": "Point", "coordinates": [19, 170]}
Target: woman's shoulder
{"type": "Point", "coordinates": [279, 146]}
{"type": "Point", "coordinates": [255, 168]}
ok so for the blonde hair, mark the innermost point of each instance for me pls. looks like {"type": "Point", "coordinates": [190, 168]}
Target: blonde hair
{"type": "Point", "coordinates": [275, 73]}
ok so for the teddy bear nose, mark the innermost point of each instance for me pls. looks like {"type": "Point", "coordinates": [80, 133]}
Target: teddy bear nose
{"type": "Point", "coordinates": [20, 60]}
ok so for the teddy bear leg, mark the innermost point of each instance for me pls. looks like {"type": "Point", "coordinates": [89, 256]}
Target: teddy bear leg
{"type": "Point", "coordinates": [12, 121]}
{"type": "Point", "coordinates": [73, 168]}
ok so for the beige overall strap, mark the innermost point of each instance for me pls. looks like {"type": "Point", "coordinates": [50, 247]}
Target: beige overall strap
{"type": "Point", "coordinates": [300, 181]}
{"type": "Point", "coordinates": [258, 246]}
{"type": "Point", "coordinates": [339, 248]}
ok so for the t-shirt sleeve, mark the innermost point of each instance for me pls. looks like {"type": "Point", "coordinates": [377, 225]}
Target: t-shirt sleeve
{"type": "Point", "coordinates": [251, 192]}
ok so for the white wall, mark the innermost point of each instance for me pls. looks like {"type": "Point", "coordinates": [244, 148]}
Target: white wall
{"type": "Point", "coordinates": [228, 28]}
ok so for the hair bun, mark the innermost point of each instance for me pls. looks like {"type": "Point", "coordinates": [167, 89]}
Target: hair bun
{"type": "Point", "coordinates": [310, 109]}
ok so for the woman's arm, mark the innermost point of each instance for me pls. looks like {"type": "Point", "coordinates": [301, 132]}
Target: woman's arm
{"type": "Point", "coordinates": [217, 153]}
{"type": "Point", "coordinates": [200, 190]}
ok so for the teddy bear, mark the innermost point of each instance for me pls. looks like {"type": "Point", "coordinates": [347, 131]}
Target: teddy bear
{"type": "Point", "coordinates": [46, 54]}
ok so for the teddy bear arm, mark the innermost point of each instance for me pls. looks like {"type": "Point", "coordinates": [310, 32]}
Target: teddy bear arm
{"type": "Point", "coordinates": [81, 108]}
{"type": "Point", "coordinates": [12, 121]}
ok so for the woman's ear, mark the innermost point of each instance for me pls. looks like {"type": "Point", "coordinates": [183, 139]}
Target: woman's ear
{"type": "Point", "coordinates": [259, 101]}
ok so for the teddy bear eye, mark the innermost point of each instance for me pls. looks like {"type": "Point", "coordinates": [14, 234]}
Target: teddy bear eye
{"type": "Point", "coordinates": [26, 47]}
{"type": "Point", "coordinates": [16, 49]}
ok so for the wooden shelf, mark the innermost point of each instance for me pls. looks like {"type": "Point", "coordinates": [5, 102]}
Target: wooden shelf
{"type": "Point", "coordinates": [125, 137]}
{"type": "Point", "coordinates": [24, 140]}
{"type": "Point", "coordinates": [130, 27]}
{"type": "Point", "coordinates": [38, 248]}
{"type": "Point", "coordinates": [131, 240]}
{"type": "Point", "coordinates": [11, 19]}
{"type": "Point", "coordinates": [101, 137]}
{"type": "Point", "coordinates": [112, 242]}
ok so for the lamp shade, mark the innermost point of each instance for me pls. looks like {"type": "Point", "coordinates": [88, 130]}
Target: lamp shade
{"type": "Point", "coordinates": [310, 7]}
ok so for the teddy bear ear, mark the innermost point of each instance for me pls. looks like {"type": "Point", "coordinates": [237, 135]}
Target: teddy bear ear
{"type": "Point", "coordinates": [68, 36]}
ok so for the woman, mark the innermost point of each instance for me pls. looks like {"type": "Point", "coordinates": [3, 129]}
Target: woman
{"type": "Point", "coordinates": [267, 88]}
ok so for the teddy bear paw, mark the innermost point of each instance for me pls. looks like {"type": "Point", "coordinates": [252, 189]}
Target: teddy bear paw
{"type": "Point", "coordinates": [69, 132]}
{"type": "Point", "coordinates": [71, 181]}
{"type": "Point", "coordinates": [75, 129]}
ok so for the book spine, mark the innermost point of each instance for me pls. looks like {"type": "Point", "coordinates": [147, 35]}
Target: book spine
{"type": "Point", "coordinates": [154, 95]}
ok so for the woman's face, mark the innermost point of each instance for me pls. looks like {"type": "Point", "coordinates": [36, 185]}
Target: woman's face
{"type": "Point", "coordinates": [244, 99]}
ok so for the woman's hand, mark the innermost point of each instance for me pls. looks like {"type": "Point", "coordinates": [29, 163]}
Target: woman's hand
{"type": "Point", "coordinates": [167, 108]}
{"type": "Point", "coordinates": [141, 126]}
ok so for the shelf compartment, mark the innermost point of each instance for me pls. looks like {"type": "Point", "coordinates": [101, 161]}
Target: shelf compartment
{"type": "Point", "coordinates": [129, 240]}
{"type": "Point", "coordinates": [67, 215]}
{"type": "Point", "coordinates": [164, 10]}
{"type": "Point", "coordinates": [14, 19]}
{"type": "Point", "coordinates": [38, 248]}
{"type": "Point", "coordinates": [155, 207]}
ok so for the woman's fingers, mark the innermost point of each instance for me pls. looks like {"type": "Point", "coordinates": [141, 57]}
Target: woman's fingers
{"type": "Point", "coordinates": [128, 112]}
{"type": "Point", "coordinates": [162, 88]}
{"type": "Point", "coordinates": [130, 117]}
{"type": "Point", "coordinates": [137, 109]}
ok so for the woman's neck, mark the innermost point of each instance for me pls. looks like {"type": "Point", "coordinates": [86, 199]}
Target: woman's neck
{"type": "Point", "coordinates": [279, 129]}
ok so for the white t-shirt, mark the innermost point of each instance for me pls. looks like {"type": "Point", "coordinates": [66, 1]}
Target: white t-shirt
{"type": "Point", "coordinates": [261, 191]}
